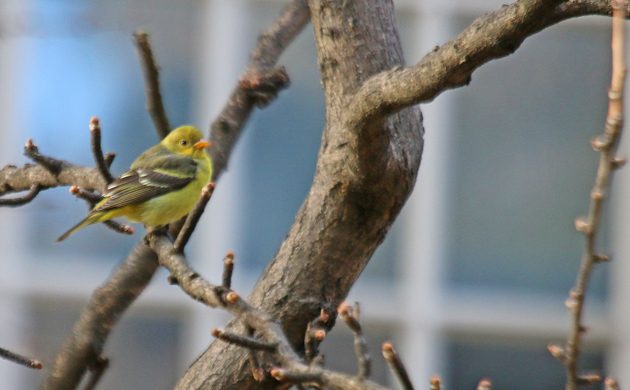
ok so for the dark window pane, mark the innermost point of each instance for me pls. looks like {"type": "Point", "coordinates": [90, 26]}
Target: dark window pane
{"type": "Point", "coordinates": [143, 348]}
{"type": "Point", "coordinates": [523, 166]}
{"type": "Point", "coordinates": [509, 363]}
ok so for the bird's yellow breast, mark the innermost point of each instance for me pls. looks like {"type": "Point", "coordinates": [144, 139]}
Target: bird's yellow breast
{"type": "Point", "coordinates": [172, 206]}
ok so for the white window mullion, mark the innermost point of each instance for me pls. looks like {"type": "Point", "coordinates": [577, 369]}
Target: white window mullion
{"type": "Point", "coordinates": [424, 224]}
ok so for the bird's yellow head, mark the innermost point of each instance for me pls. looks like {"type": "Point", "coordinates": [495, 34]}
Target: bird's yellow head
{"type": "Point", "coordinates": [186, 140]}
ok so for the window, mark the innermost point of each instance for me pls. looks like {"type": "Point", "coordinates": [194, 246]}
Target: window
{"type": "Point", "coordinates": [472, 279]}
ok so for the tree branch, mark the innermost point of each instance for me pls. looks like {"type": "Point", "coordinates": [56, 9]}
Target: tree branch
{"type": "Point", "coordinates": [259, 83]}
{"type": "Point", "coordinates": [494, 35]}
{"type": "Point", "coordinates": [150, 70]}
{"type": "Point", "coordinates": [397, 366]}
{"type": "Point", "coordinates": [22, 200]}
{"type": "Point", "coordinates": [351, 318]}
{"type": "Point", "coordinates": [97, 150]}
{"type": "Point", "coordinates": [19, 359]}
{"type": "Point", "coordinates": [14, 179]}
{"type": "Point", "coordinates": [96, 373]}
{"type": "Point", "coordinates": [193, 218]}
{"type": "Point", "coordinates": [272, 339]}
{"type": "Point", "coordinates": [606, 144]}
{"type": "Point", "coordinates": [436, 383]}
{"type": "Point", "coordinates": [92, 198]}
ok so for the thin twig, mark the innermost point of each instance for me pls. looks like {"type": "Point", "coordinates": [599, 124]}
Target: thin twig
{"type": "Point", "coordinates": [21, 360]}
{"type": "Point", "coordinates": [119, 227]}
{"type": "Point", "coordinates": [258, 373]}
{"type": "Point", "coordinates": [89, 196]}
{"type": "Point", "coordinates": [611, 384]}
{"type": "Point", "coordinates": [283, 375]}
{"type": "Point", "coordinates": [244, 341]}
{"type": "Point", "coordinates": [51, 164]}
{"type": "Point", "coordinates": [292, 370]}
{"type": "Point", "coordinates": [260, 75]}
{"type": "Point", "coordinates": [96, 372]}
{"type": "Point", "coordinates": [109, 158]}
{"type": "Point", "coordinates": [150, 70]}
{"type": "Point", "coordinates": [436, 383]}
{"type": "Point", "coordinates": [484, 384]}
{"type": "Point", "coordinates": [97, 150]}
{"type": "Point", "coordinates": [316, 332]}
{"type": "Point", "coordinates": [606, 145]}
{"type": "Point", "coordinates": [193, 217]}
{"type": "Point", "coordinates": [364, 361]}
{"type": "Point", "coordinates": [22, 200]}
{"type": "Point", "coordinates": [228, 269]}
{"type": "Point", "coordinates": [93, 198]}
{"type": "Point", "coordinates": [396, 365]}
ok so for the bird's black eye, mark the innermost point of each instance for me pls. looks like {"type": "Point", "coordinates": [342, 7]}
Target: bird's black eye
{"type": "Point", "coordinates": [183, 142]}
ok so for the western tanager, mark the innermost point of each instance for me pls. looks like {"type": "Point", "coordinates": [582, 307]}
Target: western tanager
{"type": "Point", "coordinates": [161, 186]}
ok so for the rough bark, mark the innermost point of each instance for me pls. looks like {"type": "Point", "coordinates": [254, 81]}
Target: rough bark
{"type": "Point", "coordinates": [365, 172]}
{"type": "Point", "coordinates": [369, 157]}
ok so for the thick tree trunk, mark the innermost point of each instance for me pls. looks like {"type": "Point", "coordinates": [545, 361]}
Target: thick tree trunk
{"type": "Point", "coordinates": [365, 173]}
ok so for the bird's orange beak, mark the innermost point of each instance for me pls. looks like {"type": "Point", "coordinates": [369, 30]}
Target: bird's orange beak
{"type": "Point", "coordinates": [202, 144]}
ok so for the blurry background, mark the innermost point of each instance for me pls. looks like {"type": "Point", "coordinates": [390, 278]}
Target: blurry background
{"type": "Point", "coordinates": [470, 282]}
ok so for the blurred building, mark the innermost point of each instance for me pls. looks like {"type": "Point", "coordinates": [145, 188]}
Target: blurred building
{"type": "Point", "coordinates": [470, 283]}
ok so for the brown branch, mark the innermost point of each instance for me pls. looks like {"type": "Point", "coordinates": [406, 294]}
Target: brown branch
{"type": "Point", "coordinates": [193, 218]}
{"type": "Point", "coordinates": [92, 198]}
{"type": "Point", "coordinates": [258, 372]}
{"type": "Point", "coordinates": [244, 341]}
{"type": "Point", "coordinates": [611, 384]}
{"type": "Point", "coordinates": [494, 35]}
{"type": "Point", "coordinates": [283, 375]}
{"type": "Point", "coordinates": [351, 318]}
{"type": "Point", "coordinates": [96, 373]}
{"type": "Point", "coordinates": [85, 343]}
{"type": "Point", "coordinates": [292, 369]}
{"type": "Point", "coordinates": [316, 332]}
{"type": "Point", "coordinates": [109, 158]}
{"type": "Point", "coordinates": [606, 145]}
{"type": "Point", "coordinates": [484, 384]}
{"type": "Point", "coordinates": [21, 200]}
{"type": "Point", "coordinates": [21, 360]}
{"type": "Point", "coordinates": [397, 366]}
{"type": "Point", "coordinates": [15, 179]}
{"type": "Point", "coordinates": [150, 70]}
{"type": "Point", "coordinates": [259, 83]}
{"type": "Point", "coordinates": [436, 383]}
{"type": "Point", "coordinates": [228, 269]}
{"type": "Point", "coordinates": [51, 164]}
{"type": "Point", "coordinates": [97, 150]}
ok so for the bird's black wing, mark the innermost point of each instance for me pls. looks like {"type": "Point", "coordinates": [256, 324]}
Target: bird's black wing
{"type": "Point", "coordinates": [146, 181]}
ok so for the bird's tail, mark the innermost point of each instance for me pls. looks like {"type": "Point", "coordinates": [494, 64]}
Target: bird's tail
{"type": "Point", "coordinates": [87, 221]}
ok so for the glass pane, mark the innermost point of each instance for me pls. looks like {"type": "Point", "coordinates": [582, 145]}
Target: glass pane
{"type": "Point", "coordinates": [522, 163]}
{"type": "Point", "coordinates": [510, 364]}
{"type": "Point", "coordinates": [143, 348]}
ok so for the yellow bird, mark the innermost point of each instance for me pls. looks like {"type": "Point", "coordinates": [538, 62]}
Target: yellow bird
{"type": "Point", "coordinates": [161, 186]}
